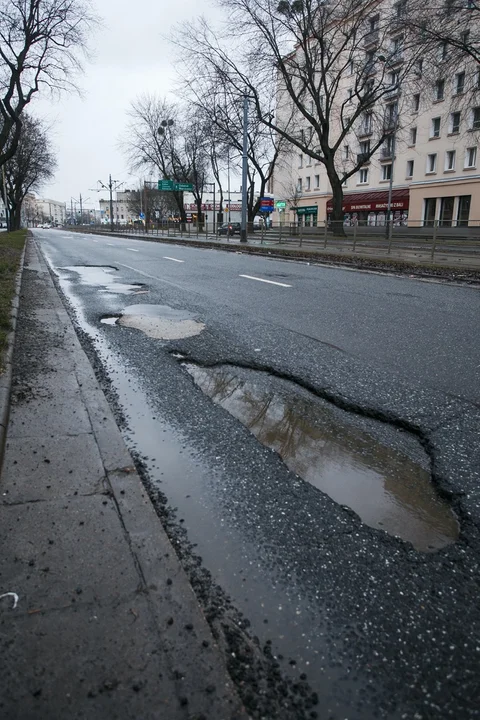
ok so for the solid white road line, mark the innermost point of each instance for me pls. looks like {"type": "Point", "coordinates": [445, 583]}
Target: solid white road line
{"type": "Point", "coordinates": [133, 250]}
{"type": "Point", "coordinates": [270, 282]}
{"type": "Point", "coordinates": [165, 257]}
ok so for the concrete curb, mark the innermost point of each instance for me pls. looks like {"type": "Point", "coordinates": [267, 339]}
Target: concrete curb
{"type": "Point", "coordinates": [6, 378]}
{"type": "Point", "coordinates": [347, 260]}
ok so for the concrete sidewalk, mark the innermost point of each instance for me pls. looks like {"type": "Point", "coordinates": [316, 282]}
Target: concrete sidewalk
{"type": "Point", "coordinates": [106, 624]}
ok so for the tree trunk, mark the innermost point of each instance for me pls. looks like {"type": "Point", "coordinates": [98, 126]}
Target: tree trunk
{"type": "Point", "coordinates": [336, 220]}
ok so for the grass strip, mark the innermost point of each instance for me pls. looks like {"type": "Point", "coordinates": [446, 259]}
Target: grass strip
{"type": "Point", "coordinates": [11, 247]}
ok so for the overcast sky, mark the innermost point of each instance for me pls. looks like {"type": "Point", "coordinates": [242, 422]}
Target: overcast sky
{"type": "Point", "coordinates": [131, 57]}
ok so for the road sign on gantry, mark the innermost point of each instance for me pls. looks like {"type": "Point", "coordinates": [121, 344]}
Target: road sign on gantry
{"type": "Point", "coordinates": [183, 186]}
{"type": "Point", "coordinates": [165, 185]}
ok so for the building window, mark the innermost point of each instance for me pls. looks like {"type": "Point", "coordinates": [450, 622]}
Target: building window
{"type": "Point", "coordinates": [409, 168]}
{"type": "Point", "coordinates": [454, 123]}
{"type": "Point", "coordinates": [419, 68]}
{"type": "Point", "coordinates": [374, 21]}
{"type": "Point", "coordinates": [365, 147]}
{"type": "Point", "coordinates": [387, 171]}
{"type": "Point", "coordinates": [464, 37]}
{"type": "Point", "coordinates": [459, 83]}
{"type": "Point", "coordinates": [471, 157]}
{"type": "Point", "coordinates": [400, 8]}
{"type": "Point", "coordinates": [416, 102]}
{"type": "Point", "coordinates": [317, 182]}
{"type": "Point", "coordinates": [432, 163]}
{"type": "Point", "coordinates": [450, 160]}
{"type": "Point", "coordinates": [393, 78]}
{"type": "Point", "coordinates": [351, 67]}
{"type": "Point", "coordinates": [476, 118]}
{"type": "Point", "coordinates": [413, 136]}
{"type": "Point", "coordinates": [363, 176]}
{"type": "Point", "coordinates": [435, 128]}
{"type": "Point", "coordinates": [349, 96]}
{"type": "Point", "coordinates": [346, 152]}
{"type": "Point", "coordinates": [439, 89]}
{"type": "Point", "coordinates": [300, 161]}
{"type": "Point", "coordinates": [309, 161]}
{"type": "Point", "coordinates": [307, 183]}
{"type": "Point", "coordinates": [299, 185]}
{"type": "Point", "coordinates": [442, 51]}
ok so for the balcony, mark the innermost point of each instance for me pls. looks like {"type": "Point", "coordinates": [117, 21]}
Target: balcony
{"type": "Point", "coordinates": [363, 158]}
{"type": "Point", "coordinates": [371, 39]}
{"type": "Point", "coordinates": [396, 58]}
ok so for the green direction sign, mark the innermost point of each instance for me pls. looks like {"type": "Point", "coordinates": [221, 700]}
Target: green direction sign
{"type": "Point", "coordinates": [308, 210]}
{"type": "Point", "coordinates": [281, 204]}
{"type": "Point", "coordinates": [166, 185]}
{"type": "Point", "coordinates": [183, 186]}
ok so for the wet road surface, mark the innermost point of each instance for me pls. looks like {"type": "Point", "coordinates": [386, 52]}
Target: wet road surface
{"type": "Point", "coordinates": [377, 625]}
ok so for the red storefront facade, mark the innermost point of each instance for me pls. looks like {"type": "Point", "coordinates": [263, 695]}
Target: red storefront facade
{"type": "Point", "coordinates": [370, 208]}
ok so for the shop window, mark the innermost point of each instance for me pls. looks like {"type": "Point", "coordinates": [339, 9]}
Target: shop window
{"type": "Point", "coordinates": [455, 123]}
{"type": "Point", "coordinates": [446, 211]}
{"type": "Point", "coordinates": [450, 160]}
{"type": "Point", "coordinates": [471, 157]}
{"type": "Point", "coordinates": [463, 212]}
{"type": "Point", "coordinates": [410, 164]}
{"type": "Point", "coordinates": [429, 211]}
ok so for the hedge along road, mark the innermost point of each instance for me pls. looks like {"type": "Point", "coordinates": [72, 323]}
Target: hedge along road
{"type": "Point", "coordinates": [376, 625]}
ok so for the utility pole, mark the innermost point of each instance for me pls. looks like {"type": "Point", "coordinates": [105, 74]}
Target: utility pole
{"type": "Point", "coordinates": [243, 226]}
{"type": "Point", "coordinates": [112, 185]}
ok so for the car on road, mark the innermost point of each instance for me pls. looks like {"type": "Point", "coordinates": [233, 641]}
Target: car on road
{"type": "Point", "coordinates": [229, 228]}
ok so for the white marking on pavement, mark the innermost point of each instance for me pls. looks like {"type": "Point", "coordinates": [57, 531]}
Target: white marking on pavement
{"type": "Point", "coordinates": [270, 282]}
{"type": "Point", "coordinates": [154, 277]}
{"type": "Point", "coordinates": [133, 250]}
{"type": "Point", "coordinates": [165, 257]}
{"type": "Point", "coordinates": [110, 244]}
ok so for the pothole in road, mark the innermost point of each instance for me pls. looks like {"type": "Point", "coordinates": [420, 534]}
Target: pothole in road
{"type": "Point", "coordinates": [105, 278]}
{"type": "Point", "coordinates": [161, 322]}
{"type": "Point", "coordinates": [378, 471]}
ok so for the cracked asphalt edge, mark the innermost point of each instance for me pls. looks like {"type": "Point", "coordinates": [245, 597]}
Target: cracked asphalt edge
{"type": "Point", "coordinates": [257, 678]}
{"type": "Point", "coordinates": [7, 376]}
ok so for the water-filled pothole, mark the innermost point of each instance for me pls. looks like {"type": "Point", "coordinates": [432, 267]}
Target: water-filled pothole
{"type": "Point", "coordinates": [105, 278]}
{"type": "Point", "coordinates": [161, 322]}
{"type": "Point", "coordinates": [382, 473]}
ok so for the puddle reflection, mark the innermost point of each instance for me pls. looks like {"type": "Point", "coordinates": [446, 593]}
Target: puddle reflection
{"type": "Point", "coordinates": [383, 486]}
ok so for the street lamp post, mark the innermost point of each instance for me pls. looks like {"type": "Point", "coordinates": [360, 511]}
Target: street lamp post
{"type": "Point", "coordinates": [243, 227]}
{"type": "Point", "coordinates": [214, 205]}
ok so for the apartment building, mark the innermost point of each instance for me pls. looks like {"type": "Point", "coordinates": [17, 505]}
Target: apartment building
{"type": "Point", "coordinates": [431, 158]}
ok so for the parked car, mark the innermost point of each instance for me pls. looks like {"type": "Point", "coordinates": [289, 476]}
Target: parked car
{"type": "Point", "coordinates": [229, 228]}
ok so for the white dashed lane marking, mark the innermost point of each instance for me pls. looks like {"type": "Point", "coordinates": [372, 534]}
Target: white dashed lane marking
{"type": "Point", "coordinates": [133, 250]}
{"type": "Point", "coordinates": [165, 257]}
{"type": "Point", "coordinates": [270, 282]}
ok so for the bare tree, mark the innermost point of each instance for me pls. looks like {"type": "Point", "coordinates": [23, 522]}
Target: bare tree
{"type": "Point", "coordinates": [41, 44]}
{"type": "Point", "coordinates": [333, 73]}
{"type": "Point", "coordinates": [33, 163]}
{"type": "Point", "coordinates": [218, 97]}
{"type": "Point", "coordinates": [162, 136]}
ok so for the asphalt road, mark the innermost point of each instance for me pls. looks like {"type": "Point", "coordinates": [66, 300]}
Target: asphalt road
{"type": "Point", "coordinates": [379, 628]}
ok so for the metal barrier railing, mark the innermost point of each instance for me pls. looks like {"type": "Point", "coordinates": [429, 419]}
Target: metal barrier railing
{"type": "Point", "coordinates": [424, 242]}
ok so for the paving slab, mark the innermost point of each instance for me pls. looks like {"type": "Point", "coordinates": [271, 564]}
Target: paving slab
{"type": "Point", "coordinates": [97, 617]}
